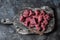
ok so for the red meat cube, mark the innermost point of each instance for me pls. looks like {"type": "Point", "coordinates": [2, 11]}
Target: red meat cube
{"type": "Point", "coordinates": [45, 22]}
{"type": "Point", "coordinates": [39, 18]}
{"type": "Point", "coordinates": [43, 26]}
{"type": "Point", "coordinates": [26, 13]}
{"type": "Point", "coordinates": [32, 21]}
{"type": "Point", "coordinates": [42, 12]}
{"type": "Point", "coordinates": [37, 12]}
{"type": "Point", "coordinates": [21, 18]}
{"type": "Point", "coordinates": [47, 17]}
{"type": "Point", "coordinates": [30, 12]}
{"type": "Point", "coordinates": [37, 27]}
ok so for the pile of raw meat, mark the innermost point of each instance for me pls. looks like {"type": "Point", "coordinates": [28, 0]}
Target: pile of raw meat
{"type": "Point", "coordinates": [37, 19]}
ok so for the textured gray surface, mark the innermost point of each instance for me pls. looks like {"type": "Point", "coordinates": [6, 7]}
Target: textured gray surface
{"type": "Point", "coordinates": [9, 8]}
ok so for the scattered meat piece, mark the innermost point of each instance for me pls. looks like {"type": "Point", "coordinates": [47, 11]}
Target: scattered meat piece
{"type": "Point", "coordinates": [27, 21]}
{"type": "Point", "coordinates": [47, 17]}
{"type": "Point", "coordinates": [45, 22]}
{"type": "Point", "coordinates": [43, 26]}
{"type": "Point", "coordinates": [31, 25]}
{"type": "Point", "coordinates": [32, 21]}
{"type": "Point", "coordinates": [26, 13]}
{"type": "Point", "coordinates": [37, 27]}
{"type": "Point", "coordinates": [37, 12]}
{"type": "Point", "coordinates": [40, 18]}
{"type": "Point", "coordinates": [21, 18]}
{"type": "Point", "coordinates": [30, 12]}
{"type": "Point", "coordinates": [42, 12]}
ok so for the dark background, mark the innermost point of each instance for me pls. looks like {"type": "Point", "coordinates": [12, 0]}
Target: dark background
{"type": "Point", "coordinates": [9, 8]}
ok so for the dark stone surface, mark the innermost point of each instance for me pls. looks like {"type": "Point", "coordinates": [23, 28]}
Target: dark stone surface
{"type": "Point", "coordinates": [9, 8]}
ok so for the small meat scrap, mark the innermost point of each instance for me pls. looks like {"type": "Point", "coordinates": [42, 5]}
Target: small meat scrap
{"type": "Point", "coordinates": [26, 13]}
